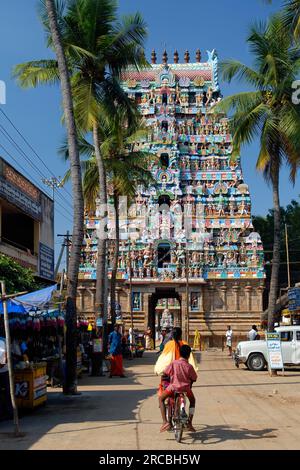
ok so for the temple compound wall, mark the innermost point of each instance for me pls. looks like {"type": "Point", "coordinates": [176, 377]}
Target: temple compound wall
{"type": "Point", "coordinates": [188, 254]}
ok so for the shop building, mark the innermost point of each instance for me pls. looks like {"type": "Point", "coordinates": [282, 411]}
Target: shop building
{"type": "Point", "coordinates": [26, 222]}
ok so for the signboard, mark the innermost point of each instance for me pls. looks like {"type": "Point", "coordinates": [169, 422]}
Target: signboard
{"type": "Point", "coordinates": [19, 191]}
{"type": "Point", "coordinates": [46, 262]}
{"type": "Point", "coordinates": [22, 389]}
{"type": "Point", "coordinates": [274, 351]}
{"type": "Point", "coordinates": [16, 197]}
{"type": "Point", "coordinates": [99, 322]}
{"type": "Point", "coordinates": [294, 298]}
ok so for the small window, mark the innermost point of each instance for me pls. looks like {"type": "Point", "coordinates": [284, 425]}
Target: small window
{"type": "Point", "coordinates": [163, 254]}
{"type": "Point", "coordinates": [298, 335]}
{"type": "Point", "coordinates": [286, 336]}
{"type": "Point", "coordinates": [192, 98]}
{"type": "Point", "coordinates": [138, 98]}
{"type": "Point", "coordinates": [164, 160]}
{"type": "Point", "coordinates": [164, 126]}
{"type": "Point", "coordinates": [164, 98]}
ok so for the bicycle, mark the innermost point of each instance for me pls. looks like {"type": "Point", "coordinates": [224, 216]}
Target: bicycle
{"type": "Point", "coordinates": [176, 414]}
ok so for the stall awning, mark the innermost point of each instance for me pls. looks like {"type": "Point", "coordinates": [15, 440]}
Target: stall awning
{"type": "Point", "coordinates": [34, 300]}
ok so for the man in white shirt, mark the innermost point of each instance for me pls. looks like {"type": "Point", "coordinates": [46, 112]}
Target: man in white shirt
{"type": "Point", "coordinates": [253, 333]}
{"type": "Point", "coordinates": [6, 407]}
{"type": "Point", "coordinates": [228, 335]}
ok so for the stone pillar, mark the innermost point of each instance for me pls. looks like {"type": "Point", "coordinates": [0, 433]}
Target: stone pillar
{"type": "Point", "coordinates": [128, 300]}
{"type": "Point", "coordinates": [201, 306]}
{"type": "Point", "coordinates": [92, 291]}
{"type": "Point", "coordinates": [260, 291]}
{"type": "Point", "coordinates": [146, 302]}
{"type": "Point", "coordinates": [223, 290]}
{"type": "Point", "coordinates": [211, 291]}
{"type": "Point", "coordinates": [248, 290]}
{"type": "Point", "coordinates": [184, 316]}
{"type": "Point", "coordinates": [236, 298]}
{"type": "Point", "coordinates": [80, 292]}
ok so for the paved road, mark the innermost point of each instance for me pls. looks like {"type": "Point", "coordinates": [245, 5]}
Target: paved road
{"type": "Point", "coordinates": [236, 409]}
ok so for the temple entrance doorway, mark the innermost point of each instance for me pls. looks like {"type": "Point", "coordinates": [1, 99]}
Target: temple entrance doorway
{"type": "Point", "coordinates": [164, 311]}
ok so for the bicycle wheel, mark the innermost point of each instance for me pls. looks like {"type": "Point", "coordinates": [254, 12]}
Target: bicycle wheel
{"type": "Point", "coordinates": [178, 432]}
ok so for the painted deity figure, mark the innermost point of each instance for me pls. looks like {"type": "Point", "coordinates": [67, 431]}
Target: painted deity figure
{"type": "Point", "coordinates": [232, 206]}
{"type": "Point", "coordinates": [180, 254]}
{"type": "Point", "coordinates": [220, 206]}
{"type": "Point", "coordinates": [243, 208]}
{"type": "Point", "coordinates": [165, 224]}
{"type": "Point", "coordinates": [178, 95]}
{"type": "Point", "coordinates": [166, 319]}
{"type": "Point", "coordinates": [242, 255]}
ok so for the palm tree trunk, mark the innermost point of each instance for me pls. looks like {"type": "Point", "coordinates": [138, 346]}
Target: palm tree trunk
{"type": "Point", "coordinates": [101, 261]}
{"type": "Point", "coordinates": [70, 384]}
{"type": "Point", "coordinates": [276, 246]}
{"type": "Point", "coordinates": [115, 260]}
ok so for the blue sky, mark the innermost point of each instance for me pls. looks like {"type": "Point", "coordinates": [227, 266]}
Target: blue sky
{"type": "Point", "coordinates": [189, 24]}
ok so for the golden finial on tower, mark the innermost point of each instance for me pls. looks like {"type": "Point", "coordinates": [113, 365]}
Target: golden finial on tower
{"type": "Point", "coordinates": [186, 57]}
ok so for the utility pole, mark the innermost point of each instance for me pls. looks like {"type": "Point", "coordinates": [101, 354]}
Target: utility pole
{"type": "Point", "coordinates": [9, 360]}
{"type": "Point", "coordinates": [187, 292]}
{"type": "Point", "coordinates": [287, 256]}
{"type": "Point", "coordinates": [66, 244]}
{"type": "Point", "coordinates": [130, 283]}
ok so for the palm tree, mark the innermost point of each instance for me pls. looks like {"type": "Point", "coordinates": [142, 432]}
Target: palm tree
{"type": "Point", "coordinates": [290, 14]}
{"type": "Point", "coordinates": [75, 170]}
{"type": "Point", "coordinates": [267, 112]}
{"type": "Point", "coordinates": [126, 167]}
{"type": "Point", "coordinates": [98, 49]}
{"type": "Point", "coordinates": [291, 17]}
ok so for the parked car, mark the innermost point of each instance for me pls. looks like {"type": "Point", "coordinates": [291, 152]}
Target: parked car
{"type": "Point", "coordinates": [253, 354]}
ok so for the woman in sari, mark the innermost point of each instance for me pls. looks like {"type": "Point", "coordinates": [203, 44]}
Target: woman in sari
{"type": "Point", "coordinates": [115, 350]}
{"type": "Point", "coordinates": [171, 352]}
{"type": "Point", "coordinates": [148, 339]}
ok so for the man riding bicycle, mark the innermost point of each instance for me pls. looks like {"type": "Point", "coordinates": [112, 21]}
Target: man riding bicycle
{"type": "Point", "coordinates": [182, 375]}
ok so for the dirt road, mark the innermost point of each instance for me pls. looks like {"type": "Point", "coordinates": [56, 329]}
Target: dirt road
{"type": "Point", "coordinates": [235, 409]}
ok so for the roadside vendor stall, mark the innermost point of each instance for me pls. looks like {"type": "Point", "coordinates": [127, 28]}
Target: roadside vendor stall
{"type": "Point", "coordinates": [34, 340]}
{"type": "Point", "coordinates": [30, 385]}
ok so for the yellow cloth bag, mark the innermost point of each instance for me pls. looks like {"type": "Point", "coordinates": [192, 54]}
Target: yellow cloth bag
{"type": "Point", "coordinates": [168, 355]}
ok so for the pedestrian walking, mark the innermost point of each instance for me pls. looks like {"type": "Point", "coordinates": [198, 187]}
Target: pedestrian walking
{"type": "Point", "coordinates": [115, 350]}
{"type": "Point", "coordinates": [228, 335]}
{"type": "Point", "coordinates": [253, 333]}
{"type": "Point", "coordinates": [148, 339]}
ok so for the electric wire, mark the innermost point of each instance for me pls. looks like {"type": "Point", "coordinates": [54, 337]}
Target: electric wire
{"type": "Point", "coordinates": [22, 153]}
{"type": "Point", "coordinates": [32, 149]}
{"type": "Point", "coordinates": [31, 178]}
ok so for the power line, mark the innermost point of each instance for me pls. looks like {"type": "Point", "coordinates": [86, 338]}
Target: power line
{"type": "Point", "coordinates": [23, 169]}
{"type": "Point", "coordinates": [36, 183]}
{"type": "Point", "coordinates": [22, 153]}
{"type": "Point", "coordinates": [30, 146]}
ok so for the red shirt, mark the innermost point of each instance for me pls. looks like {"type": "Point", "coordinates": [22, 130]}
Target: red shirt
{"type": "Point", "coordinates": [182, 374]}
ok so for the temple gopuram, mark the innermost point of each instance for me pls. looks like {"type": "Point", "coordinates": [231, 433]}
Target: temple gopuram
{"type": "Point", "coordinates": [189, 255]}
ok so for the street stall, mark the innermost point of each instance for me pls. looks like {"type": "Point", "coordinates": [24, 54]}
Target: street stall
{"type": "Point", "coordinates": [34, 344]}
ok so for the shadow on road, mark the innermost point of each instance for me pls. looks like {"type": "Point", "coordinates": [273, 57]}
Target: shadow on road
{"type": "Point", "coordinates": [256, 384]}
{"type": "Point", "coordinates": [209, 435]}
{"type": "Point", "coordinates": [103, 403]}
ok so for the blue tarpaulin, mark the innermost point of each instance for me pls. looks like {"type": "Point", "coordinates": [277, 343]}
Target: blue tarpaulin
{"type": "Point", "coordinates": [34, 300]}
{"type": "Point", "coordinates": [12, 307]}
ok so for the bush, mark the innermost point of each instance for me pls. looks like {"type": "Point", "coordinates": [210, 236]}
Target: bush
{"type": "Point", "coordinates": [16, 277]}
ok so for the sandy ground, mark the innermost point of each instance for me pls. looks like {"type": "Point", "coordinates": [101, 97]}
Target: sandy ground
{"type": "Point", "coordinates": [235, 409]}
